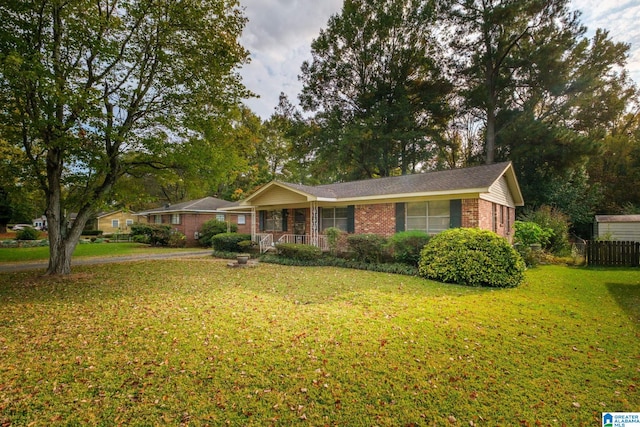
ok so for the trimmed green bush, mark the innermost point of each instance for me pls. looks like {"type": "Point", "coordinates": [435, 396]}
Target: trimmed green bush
{"type": "Point", "coordinates": [367, 247]}
{"type": "Point", "coordinates": [229, 242]}
{"type": "Point", "coordinates": [177, 239]}
{"type": "Point", "coordinates": [91, 232]}
{"type": "Point", "coordinates": [212, 228]}
{"type": "Point", "coordinates": [248, 246]}
{"type": "Point", "coordinates": [298, 251]}
{"type": "Point", "coordinates": [156, 235]}
{"type": "Point", "coordinates": [333, 238]}
{"type": "Point", "coordinates": [553, 219]}
{"type": "Point", "coordinates": [472, 257]}
{"type": "Point", "coordinates": [140, 238]}
{"type": "Point", "coordinates": [529, 233]}
{"type": "Point", "coordinates": [27, 233]}
{"type": "Point", "coordinates": [331, 261]}
{"type": "Point", "coordinates": [406, 246]}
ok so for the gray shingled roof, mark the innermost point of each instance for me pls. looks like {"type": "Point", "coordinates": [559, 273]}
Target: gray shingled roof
{"type": "Point", "coordinates": [206, 204]}
{"type": "Point", "coordinates": [472, 178]}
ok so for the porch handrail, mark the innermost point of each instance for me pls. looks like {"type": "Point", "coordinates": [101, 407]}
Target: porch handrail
{"type": "Point", "coordinates": [265, 241]}
{"type": "Point", "coordinates": [304, 239]}
{"type": "Point", "coordinates": [295, 238]}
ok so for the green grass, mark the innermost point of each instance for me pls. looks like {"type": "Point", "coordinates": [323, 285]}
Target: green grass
{"type": "Point", "coordinates": [41, 253]}
{"type": "Point", "coordinates": [194, 342]}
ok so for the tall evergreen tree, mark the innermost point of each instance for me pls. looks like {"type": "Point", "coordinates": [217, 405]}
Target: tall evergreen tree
{"type": "Point", "coordinates": [377, 90]}
{"type": "Point", "coordinates": [502, 50]}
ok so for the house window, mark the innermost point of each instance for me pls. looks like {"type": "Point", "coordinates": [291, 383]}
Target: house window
{"type": "Point", "coordinates": [273, 220]}
{"type": "Point", "coordinates": [129, 223]}
{"type": "Point", "coordinates": [242, 220]}
{"type": "Point", "coordinates": [335, 217]}
{"type": "Point", "coordinates": [115, 223]}
{"type": "Point", "coordinates": [220, 217]}
{"type": "Point", "coordinates": [175, 219]}
{"type": "Point", "coordinates": [157, 219]}
{"type": "Point", "coordinates": [431, 217]}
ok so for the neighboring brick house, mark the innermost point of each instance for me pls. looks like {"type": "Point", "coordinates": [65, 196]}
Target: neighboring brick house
{"type": "Point", "coordinates": [188, 217]}
{"type": "Point", "coordinates": [477, 197]}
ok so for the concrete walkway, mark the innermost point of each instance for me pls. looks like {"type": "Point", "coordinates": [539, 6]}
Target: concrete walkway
{"type": "Point", "coordinates": [42, 265]}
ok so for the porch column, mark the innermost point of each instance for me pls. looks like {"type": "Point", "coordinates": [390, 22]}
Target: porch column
{"type": "Point", "coordinates": [253, 224]}
{"type": "Point", "coordinates": [313, 208]}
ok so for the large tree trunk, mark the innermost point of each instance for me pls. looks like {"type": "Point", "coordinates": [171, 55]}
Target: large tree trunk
{"type": "Point", "coordinates": [62, 238]}
{"type": "Point", "coordinates": [490, 146]}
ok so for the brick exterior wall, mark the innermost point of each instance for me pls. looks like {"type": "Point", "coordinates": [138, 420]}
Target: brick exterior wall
{"type": "Point", "coordinates": [375, 219]}
{"type": "Point", "coordinates": [190, 223]}
{"type": "Point", "coordinates": [470, 213]}
{"type": "Point", "coordinates": [242, 228]}
{"type": "Point", "coordinates": [380, 219]}
{"type": "Point", "coordinates": [478, 213]}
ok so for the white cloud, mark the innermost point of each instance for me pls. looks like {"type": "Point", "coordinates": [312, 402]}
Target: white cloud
{"type": "Point", "coordinates": [279, 34]}
{"type": "Point", "coordinates": [620, 18]}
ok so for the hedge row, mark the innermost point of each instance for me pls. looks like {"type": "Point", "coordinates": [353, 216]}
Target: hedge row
{"type": "Point", "coordinates": [465, 256]}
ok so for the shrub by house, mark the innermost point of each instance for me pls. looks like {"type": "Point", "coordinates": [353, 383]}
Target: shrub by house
{"type": "Point", "coordinates": [473, 257]}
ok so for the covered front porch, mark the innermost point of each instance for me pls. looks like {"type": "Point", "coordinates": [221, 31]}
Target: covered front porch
{"type": "Point", "coordinates": [299, 224]}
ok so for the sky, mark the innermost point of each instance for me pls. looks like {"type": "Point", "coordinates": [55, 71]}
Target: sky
{"type": "Point", "coordinates": [279, 33]}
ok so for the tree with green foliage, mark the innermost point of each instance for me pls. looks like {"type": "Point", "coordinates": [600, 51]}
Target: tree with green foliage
{"type": "Point", "coordinates": [90, 89]}
{"type": "Point", "coordinates": [377, 90]}
{"type": "Point", "coordinates": [559, 129]}
{"type": "Point", "coordinates": [554, 221]}
{"type": "Point", "coordinates": [545, 94]}
{"type": "Point", "coordinates": [504, 48]}
{"type": "Point", "coordinates": [617, 164]}
{"type": "Point", "coordinates": [6, 210]}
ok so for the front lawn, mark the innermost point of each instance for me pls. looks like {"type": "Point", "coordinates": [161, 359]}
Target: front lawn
{"type": "Point", "coordinates": [41, 253]}
{"type": "Point", "coordinates": [194, 342]}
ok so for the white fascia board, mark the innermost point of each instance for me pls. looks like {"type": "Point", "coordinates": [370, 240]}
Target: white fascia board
{"type": "Point", "coordinates": [466, 191]}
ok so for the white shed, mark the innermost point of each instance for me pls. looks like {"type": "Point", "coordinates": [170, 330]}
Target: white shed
{"type": "Point", "coordinates": [617, 227]}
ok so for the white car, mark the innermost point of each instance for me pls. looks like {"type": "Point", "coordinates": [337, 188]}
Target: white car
{"type": "Point", "coordinates": [19, 227]}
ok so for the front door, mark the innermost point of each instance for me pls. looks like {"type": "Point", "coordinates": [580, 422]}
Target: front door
{"type": "Point", "coordinates": [299, 225]}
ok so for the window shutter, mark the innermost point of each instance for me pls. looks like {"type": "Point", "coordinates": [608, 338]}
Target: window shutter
{"type": "Point", "coordinates": [262, 218]}
{"type": "Point", "coordinates": [285, 215]}
{"type": "Point", "coordinates": [400, 217]}
{"type": "Point", "coordinates": [455, 213]}
{"type": "Point", "coordinates": [351, 219]}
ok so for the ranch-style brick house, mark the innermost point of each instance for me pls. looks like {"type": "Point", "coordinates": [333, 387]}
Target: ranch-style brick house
{"type": "Point", "coordinates": [482, 197]}
{"type": "Point", "coordinates": [188, 217]}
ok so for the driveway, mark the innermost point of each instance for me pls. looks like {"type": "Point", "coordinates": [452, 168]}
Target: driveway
{"type": "Point", "coordinates": [24, 266]}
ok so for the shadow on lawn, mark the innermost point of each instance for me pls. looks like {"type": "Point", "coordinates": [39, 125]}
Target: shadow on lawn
{"type": "Point", "coordinates": [627, 296]}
